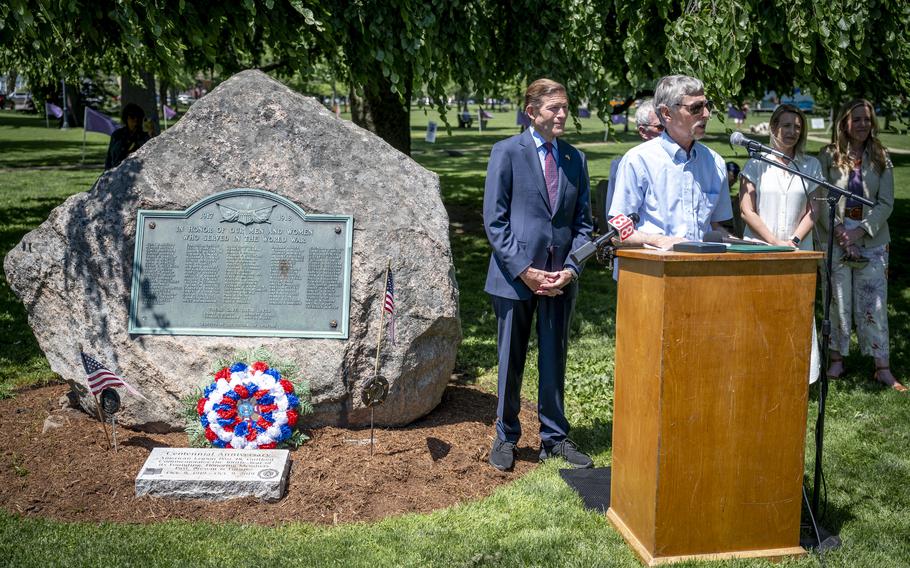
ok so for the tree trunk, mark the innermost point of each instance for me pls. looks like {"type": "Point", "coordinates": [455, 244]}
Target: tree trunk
{"type": "Point", "coordinates": [162, 93]}
{"type": "Point", "coordinates": [382, 112]}
{"type": "Point", "coordinates": [75, 109]}
{"type": "Point", "coordinates": [172, 97]}
{"type": "Point", "coordinates": [143, 95]}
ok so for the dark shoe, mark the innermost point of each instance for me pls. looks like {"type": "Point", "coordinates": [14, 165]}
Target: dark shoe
{"type": "Point", "coordinates": [566, 450]}
{"type": "Point", "coordinates": [502, 455]}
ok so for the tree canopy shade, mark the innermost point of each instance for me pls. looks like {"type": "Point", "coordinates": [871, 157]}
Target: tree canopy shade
{"type": "Point", "coordinates": [388, 50]}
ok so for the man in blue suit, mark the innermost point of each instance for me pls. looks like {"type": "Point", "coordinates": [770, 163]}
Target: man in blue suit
{"type": "Point", "coordinates": [536, 210]}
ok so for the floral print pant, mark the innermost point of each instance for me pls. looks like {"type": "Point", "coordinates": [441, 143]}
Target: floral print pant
{"type": "Point", "coordinates": [860, 292]}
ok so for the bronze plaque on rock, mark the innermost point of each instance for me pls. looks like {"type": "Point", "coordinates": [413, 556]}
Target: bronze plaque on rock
{"type": "Point", "coordinates": [243, 262]}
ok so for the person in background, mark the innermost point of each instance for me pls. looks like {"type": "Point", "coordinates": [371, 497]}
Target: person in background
{"type": "Point", "coordinates": [648, 127]}
{"type": "Point", "coordinates": [732, 174]}
{"type": "Point", "coordinates": [857, 162]}
{"type": "Point", "coordinates": [735, 225]}
{"type": "Point", "coordinates": [128, 138]}
{"type": "Point", "coordinates": [776, 205]}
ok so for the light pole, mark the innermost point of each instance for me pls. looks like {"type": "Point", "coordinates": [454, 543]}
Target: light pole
{"type": "Point", "coordinates": [66, 123]}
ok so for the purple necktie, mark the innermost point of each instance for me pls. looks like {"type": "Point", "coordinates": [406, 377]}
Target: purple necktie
{"type": "Point", "coordinates": [551, 175]}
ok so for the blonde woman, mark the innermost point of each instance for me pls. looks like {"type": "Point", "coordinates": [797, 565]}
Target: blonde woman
{"type": "Point", "coordinates": [857, 162]}
{"type": "Point", "coordinates": [774, 203]}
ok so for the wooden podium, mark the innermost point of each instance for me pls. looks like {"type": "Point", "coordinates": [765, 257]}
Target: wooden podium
{"type": "Point", "coordinates": [709, 419]}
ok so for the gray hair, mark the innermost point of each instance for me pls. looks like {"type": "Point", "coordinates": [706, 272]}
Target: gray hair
{"type": "Point", "coordinates": [671, 89]}
{"type": "Point", "coordinates": [642, 114]}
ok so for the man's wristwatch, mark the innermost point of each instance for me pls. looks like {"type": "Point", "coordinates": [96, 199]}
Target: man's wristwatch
{"type": "Point", "coordinates": [795, 240]}
{"type": "Point", "coordinates": [573, 273]}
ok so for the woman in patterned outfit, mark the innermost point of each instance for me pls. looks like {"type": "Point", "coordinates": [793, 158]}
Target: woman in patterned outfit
{"type": "Point", "coordinates": [857, 162]}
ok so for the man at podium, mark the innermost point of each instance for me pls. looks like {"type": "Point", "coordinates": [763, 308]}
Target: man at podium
{"type": "Point", "coordinates": [677, 185]}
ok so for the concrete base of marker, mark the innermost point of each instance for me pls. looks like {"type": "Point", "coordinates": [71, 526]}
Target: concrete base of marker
{"type": "Point", "coordinates": [214, 474]}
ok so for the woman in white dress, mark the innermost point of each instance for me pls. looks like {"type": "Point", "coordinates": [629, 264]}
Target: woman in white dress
{"type": "Point", "coordinates": [775, 204]}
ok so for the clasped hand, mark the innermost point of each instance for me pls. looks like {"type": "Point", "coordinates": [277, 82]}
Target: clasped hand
{"type": "Point", "coordinates": [848, 237]}
{"type": "Point", "coordinates": [545, 283]}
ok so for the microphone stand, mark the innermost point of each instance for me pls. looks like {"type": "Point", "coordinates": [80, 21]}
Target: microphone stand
{"type": "Point", "coordinates": [834, 195]}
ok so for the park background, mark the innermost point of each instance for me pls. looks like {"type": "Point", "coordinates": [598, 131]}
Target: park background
{"type": "Point", "coordinates": [388, 54]}
{"type": "Point", "coordinates": [535, 520]}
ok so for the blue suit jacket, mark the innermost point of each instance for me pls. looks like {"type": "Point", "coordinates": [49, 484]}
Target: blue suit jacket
{"type": "Point", "coordinates": [522, 229]}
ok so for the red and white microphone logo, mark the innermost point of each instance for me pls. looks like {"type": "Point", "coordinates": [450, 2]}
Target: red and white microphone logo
{"type": "Point", "coordinates": [623, 225]}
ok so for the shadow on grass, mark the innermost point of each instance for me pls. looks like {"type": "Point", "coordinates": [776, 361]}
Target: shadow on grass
{"type": "Point", "coordinates": [16, 119]}
{"type": "Point", "coordinates": [594, 438]}
{"type": "Point", "coordinates": [19, 343]}
{"type": "Point", "coordinates": [91, 261]}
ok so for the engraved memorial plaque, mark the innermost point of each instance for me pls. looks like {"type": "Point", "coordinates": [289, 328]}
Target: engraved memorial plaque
{"type": "Point", "coordinates": [244, 262]}
{"type": "Point", "coordinates": [214, 474]}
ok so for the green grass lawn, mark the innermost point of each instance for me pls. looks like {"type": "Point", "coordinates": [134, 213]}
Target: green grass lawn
{"type": "Point", "coordinates": [537, 520]}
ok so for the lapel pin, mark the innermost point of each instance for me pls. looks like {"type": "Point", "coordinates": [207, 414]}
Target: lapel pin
{"type": "Point", "coordinates": [568, 158]}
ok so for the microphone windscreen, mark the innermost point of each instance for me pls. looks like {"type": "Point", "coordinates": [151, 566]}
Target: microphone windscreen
{"type": "Point", "coordinates": [713, 237]}
{"type": "Point", "coordinates": [737, 138]}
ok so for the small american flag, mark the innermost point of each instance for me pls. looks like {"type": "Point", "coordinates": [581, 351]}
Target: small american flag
{"type": "Point", "coordinates": [389, 305]}
{"type": "Point", "coordinates": [100, 377]}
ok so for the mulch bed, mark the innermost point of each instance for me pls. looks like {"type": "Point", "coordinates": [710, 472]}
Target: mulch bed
{"type": "Point", "coordinates": [68, 473]}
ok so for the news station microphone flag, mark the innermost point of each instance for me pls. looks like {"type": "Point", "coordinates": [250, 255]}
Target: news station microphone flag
{"type": "Point", "coordinates": [620, 225]}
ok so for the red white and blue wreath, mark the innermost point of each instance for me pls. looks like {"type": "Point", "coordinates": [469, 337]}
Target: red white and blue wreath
{"type": "Point", "coordinates": [248, 407]}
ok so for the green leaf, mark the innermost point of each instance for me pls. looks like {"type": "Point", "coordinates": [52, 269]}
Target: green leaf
{"type": "Point", "coordinates": [298, 5]}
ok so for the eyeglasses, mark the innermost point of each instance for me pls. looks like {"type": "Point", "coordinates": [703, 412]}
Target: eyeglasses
{"type": "Point", "coordinates": [697, 108]}
{"type": "Point", "coordinates": [657, 126]}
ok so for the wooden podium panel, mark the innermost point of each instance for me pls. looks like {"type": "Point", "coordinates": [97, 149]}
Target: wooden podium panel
{"type": "Point", "coordinates": [710, 402]}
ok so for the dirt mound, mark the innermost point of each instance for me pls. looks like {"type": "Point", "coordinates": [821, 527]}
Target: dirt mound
{"type": "Point", "coordinates": [68, 473]}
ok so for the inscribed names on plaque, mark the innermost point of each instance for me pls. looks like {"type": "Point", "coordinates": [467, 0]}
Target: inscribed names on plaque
{"type": "Point", "coordinates": [243, 262]}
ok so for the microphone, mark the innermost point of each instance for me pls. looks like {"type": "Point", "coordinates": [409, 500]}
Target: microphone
{"type": "Point", "coordinates": [621, 225]}
{"type": "Point", "coordinates": [752, 146]}
{"type": "Point", "coordinates": [721, 237]}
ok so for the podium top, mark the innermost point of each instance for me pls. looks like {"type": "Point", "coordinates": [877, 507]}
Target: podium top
{"type": "Point", "coordinates": [672, 256]}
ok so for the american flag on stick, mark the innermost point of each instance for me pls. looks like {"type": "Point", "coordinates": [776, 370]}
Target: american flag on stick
{"type": "Point", "coordinates": [98, 377]}
{"type": "Point", "coordinates": [389, 305]}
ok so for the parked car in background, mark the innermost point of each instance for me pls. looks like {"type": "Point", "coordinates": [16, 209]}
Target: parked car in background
{"type": "Point", "coordinates": [19, 101]}
{"type": "Point", "coordinates": [800, 98]}
{"type": "Point", "coordinates": [185, 99]}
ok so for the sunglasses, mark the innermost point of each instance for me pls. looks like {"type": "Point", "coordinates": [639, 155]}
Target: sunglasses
{"type": "Point", "coordinates": [697, 108]}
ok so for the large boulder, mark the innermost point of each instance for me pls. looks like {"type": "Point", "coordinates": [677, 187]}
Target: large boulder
{"type": "Point", "coordinates": [73, 273]}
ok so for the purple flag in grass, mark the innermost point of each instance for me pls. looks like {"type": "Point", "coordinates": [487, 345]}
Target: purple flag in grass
{"type": "Point", "coordinates": [97, 122]}
{"type": "Point", "coordinates": [521, 119]}
{"type": "Point", "coordinates": [169, 113]}
{"type": "Point", "coordinates": [53, 110]}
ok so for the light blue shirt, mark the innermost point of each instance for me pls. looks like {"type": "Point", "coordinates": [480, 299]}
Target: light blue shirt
{"type": "Point", "coordinates": [611, 185]}
{"type": "Point", "coordinates": [674, 194]}
{"type": "Point", "coordinates": [542, 150]}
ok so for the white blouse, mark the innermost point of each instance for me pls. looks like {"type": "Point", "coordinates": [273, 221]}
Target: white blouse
{"type": "Point", "coordinates": [779, 197]}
